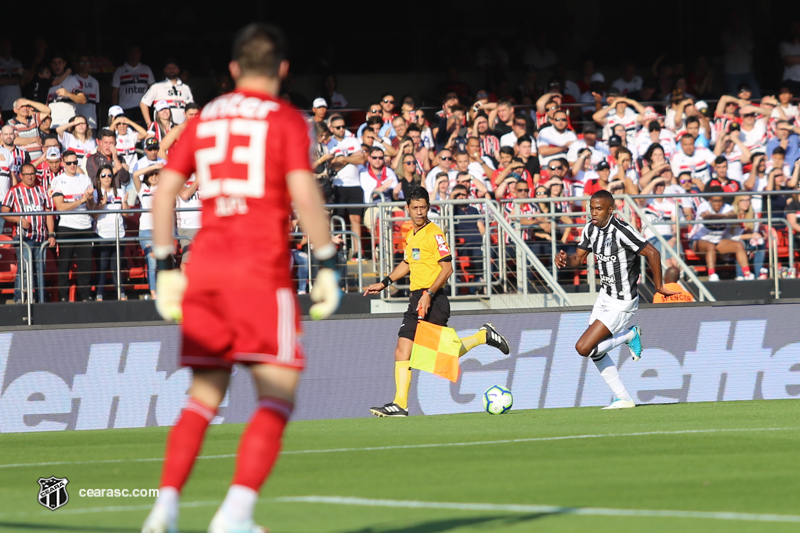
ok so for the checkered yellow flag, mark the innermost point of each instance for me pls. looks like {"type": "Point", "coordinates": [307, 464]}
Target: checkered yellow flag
{"type": "Point", "coordinates": [436, 350]}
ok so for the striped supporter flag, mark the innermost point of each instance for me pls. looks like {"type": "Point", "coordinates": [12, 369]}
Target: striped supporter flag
{"type": "Point", "coordinates": [436, 350]}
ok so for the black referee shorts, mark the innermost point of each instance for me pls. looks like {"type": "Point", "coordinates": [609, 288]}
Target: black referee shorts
{"type": "Point", "coordinates": [438, 313]}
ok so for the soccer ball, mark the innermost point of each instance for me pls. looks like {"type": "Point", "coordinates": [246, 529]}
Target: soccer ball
{"type": "Point", "coordinates": [497, 400]}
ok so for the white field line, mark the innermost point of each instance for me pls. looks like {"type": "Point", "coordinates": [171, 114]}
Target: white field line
{"type": "Point", "coordinates": [418, 446]}
{"type": "Point", "coordinates": [451, 506]}
{"type": "Point", "coordinates": [548, 509]}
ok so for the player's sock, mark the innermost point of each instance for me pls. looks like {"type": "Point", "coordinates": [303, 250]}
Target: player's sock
{"type": "Point", "coordinates": [611, 376]}
{"type": "Point", "coordinates": [184, 442]}
{"type": "Point", "coordinates": [609, 344]}
{"type": "Point", "coordinates": [402, 382]}
{"type": "Point", "coordinates": [468, 343]}
{"type": "Point", "coordinates": [239, 503]}
{"type": "Point", "coordinates": [261, 442]}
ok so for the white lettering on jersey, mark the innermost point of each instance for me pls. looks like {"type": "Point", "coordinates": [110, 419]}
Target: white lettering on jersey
{"type": "Point", "coordinates": [252, 155]}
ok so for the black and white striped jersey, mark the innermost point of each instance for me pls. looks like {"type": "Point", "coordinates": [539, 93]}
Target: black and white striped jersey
{"type": "Point", "coordinates": [616, 249]}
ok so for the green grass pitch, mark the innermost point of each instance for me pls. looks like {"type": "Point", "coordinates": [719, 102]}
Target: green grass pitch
{"type": "Point", "coordinates": [709, 467]}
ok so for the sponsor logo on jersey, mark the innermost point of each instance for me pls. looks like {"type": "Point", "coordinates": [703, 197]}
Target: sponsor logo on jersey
{"type": "Point", "coordinates": [606, 258]}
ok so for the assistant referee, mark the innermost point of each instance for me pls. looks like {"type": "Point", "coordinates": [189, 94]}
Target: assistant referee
{"type": "Point", "coordinates": [428, 260]}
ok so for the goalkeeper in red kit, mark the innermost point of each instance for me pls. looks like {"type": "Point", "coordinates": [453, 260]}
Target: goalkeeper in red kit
{"type": "Point", "coordinates": [250, 153]}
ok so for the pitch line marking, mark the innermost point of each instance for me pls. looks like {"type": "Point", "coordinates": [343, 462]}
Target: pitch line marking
{"type": "Point", "coordinates": [548, 509]}
{"type": "Point", "coordinates": [454, 506]}
{"type": "Point", "coordinates": [418, 446]}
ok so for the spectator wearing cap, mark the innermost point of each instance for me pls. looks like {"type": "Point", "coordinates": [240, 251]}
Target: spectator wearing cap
{"type": "Point", "coordinates": [150, 156]}
{"type": "Point", "coordinates": [162, 122]}
{"type": "Point", "coordinates": [27, 119]}
{"type": "Point", "coordinates": [50, 167]}
{"type": "Point", "coordinates": [27, 196]}
{"type": "Point", "coordinates": [172, 90]}
{"type": "Point", "coordinates": [319, 110]}
{"type": "Point", "coordinates": [129, 83]}
{"type": "Point", "coordinates": [555, 140]}
{"type": "Point", "coordinates": [629, 82]}
{"type": "Point", "coordinates": [597, 180]}
{"type": "Point", "coordinates": [76, 135]}
{"type": "Point", "coordinates": [65, 94]}
{"type": "Point", "coordinates": [597, 150]}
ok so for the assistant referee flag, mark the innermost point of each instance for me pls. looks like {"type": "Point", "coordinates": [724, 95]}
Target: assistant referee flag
{"type": "Point", "coordinates": [436, 350]}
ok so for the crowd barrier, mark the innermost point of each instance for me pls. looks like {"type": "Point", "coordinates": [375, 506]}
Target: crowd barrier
{"type": "Point", "coordinates": [124, 377]}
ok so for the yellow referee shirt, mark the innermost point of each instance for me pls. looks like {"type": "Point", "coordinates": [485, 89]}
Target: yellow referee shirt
{"type": "Point", "coordinates": [424, 250]}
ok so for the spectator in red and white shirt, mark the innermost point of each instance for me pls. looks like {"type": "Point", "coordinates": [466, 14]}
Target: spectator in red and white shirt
{"type": "Point", "coordinates": [73, 191]}
{"type": "Point", "coordinates": [692, 159]}
{"type": "Point", "coordinates": [76, 135]}
{"type": "Point", "coordinates": [753, 132]}
{"type": "Point", "coordinates": [129, 134]}
{"type": "Point", "coordinates": [489, 143]}
{"type": "Point", "coordinates": [377, 180]}
{"type": "Point", "coordinates": [26, 122]}
{"type": "Point", "coordinates": [91, 88]}
{"type": "Point", "coordinates": [620, 110]}
{"type": "Point", "coordinates": [598, 151]}
{"type": "Point", "coordinates": [26, 197]}
{"type": "Point", "coordinates": [65, 95]}
{"type": "Point", "coordinates": [555, 140]}
{"type": "Point", "coordinates": [50, 167]}
{"type": "Point", "coordinates": [736, 154]}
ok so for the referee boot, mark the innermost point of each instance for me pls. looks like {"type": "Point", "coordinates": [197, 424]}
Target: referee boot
{"type": "Point", "coordinates": [391, 409]}
{"type": "Point", "coordinates": [493, 338]}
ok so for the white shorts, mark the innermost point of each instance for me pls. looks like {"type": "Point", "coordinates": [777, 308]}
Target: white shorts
{"type": "Point", "coordinates": [614, 314]}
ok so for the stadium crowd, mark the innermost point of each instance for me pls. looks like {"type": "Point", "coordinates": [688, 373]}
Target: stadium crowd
{"type": "Point", "coordinates": [667, 133]}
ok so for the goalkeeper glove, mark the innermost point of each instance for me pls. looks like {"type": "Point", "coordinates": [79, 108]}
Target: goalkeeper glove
{"type": "Point", "coordinates": [170, 286]}
{"type": "Point", "coordinates": [326, 291]}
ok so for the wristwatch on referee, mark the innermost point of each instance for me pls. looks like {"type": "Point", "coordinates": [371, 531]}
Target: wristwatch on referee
{"type": "Point", "coordinates": [430, 293]}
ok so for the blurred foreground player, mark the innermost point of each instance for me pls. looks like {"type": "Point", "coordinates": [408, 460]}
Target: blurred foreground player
{"type": "Point", "coordinates": [250, 152]}
{"type": "Point", "coordinates": [616, 246]}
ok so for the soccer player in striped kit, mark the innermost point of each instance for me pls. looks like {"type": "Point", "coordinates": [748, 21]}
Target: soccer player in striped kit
{"type": "Point", "coordinates": [616, 246]}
